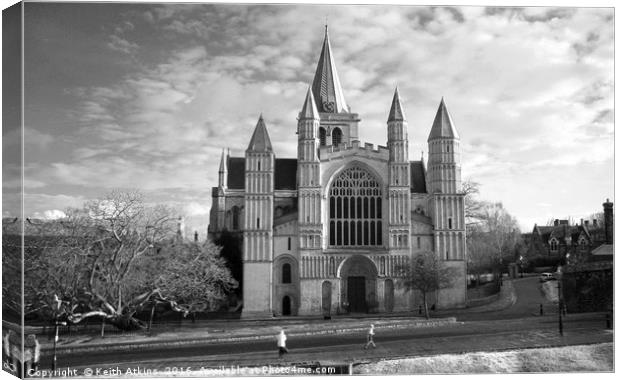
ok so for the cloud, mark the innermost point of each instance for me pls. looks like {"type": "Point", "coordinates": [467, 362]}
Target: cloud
{"type": "Point", "coordinates": [119, 44]}
{"type": "Point", "coordinates": [36, 204]}
{"type": "Point", "coordinates": [49, 215]}
{"type": "Point", "coordinates": [530, 91]}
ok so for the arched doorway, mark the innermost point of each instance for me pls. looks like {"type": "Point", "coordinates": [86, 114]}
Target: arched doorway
{"type": "Point", "coordinates": [286, 305]}
{"type": "Point", "coordinates": [358, 276]}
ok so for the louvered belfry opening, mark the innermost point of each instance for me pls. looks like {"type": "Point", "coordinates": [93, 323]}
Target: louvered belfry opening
{"type": "Point", "coordinates": [355, 210]}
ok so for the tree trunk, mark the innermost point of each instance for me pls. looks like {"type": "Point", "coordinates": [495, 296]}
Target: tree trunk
{"type": "Point", "coordinates": [151, 319]}
{"type": "Point", "coordinates": [426, 314]}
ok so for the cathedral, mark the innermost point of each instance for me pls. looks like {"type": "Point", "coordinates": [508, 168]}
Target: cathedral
{"type": "Point", "coordinates": [326, 232]}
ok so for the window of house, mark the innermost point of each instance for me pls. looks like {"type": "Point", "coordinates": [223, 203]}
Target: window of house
{"type": "Point", "coordinates": [583, 244]}
{"type": "Point", "coordinates": [553, 244]}
{"type": "Point", "coordinates": [286, 273]}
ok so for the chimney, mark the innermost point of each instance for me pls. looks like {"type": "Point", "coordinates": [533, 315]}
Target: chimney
{"type": "Point", "coordinates": [608, 209]}
{"type": "Point", "coordinates": [196, 236]}
{"type": "Point", "coordinates": [594, 223]}
{"type": "Point", "coordinates": [587, 223]}
{"type": "Point", "coordinates": [556, 222]}
{"type": "Point", "coordinates": [582, 221]}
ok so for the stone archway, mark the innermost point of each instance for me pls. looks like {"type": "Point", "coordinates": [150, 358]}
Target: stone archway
{"type": "Point", "coordinates": [358, 278]}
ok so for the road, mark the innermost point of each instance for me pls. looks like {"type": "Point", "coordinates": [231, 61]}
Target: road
{"type": "Point", "coordinates": [519, 326]}
{"type": "Point", "coordinates": [529, 298]}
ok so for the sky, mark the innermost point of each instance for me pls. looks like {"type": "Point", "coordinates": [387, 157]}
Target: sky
{"type": "Point", "coordinates": [147, 95]}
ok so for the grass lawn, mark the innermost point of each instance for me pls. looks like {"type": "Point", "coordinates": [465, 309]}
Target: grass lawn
{"type": "Point", "coordinates": [589, 358]}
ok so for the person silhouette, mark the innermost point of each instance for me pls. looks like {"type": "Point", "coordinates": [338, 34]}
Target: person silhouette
{"type": "Point", "coordinates": [281, 338]}
{"type": "Point", "coordinates": [370, 338]}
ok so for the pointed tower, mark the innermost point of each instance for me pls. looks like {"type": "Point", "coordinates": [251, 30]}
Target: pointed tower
{"type": "Point", "coordinates": [219, 193]}
{"type": "Point", "coordinates": [444, 153]}
{"type": "Point", "coordinates": [223, 172]}
{"type": "Point", "coordinates": [258, 224]}
{"type": "Point", "coordinates": [308, 171]}
{"type": "Point", "coordinates": [326, 84]}
{"type": "Point", "coordinates": [447, 203]}
{"type": "Point", "coordinates": [399, 186]}
{"type": "Point", "coordinates": [338, 124]}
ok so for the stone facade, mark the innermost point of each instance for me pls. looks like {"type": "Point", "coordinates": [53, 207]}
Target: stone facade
{"type": "Point", "coordinates": [326, 232]}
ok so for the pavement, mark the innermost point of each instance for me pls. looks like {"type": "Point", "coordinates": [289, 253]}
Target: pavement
{"type": "Point", "coordinates": [237, 331]}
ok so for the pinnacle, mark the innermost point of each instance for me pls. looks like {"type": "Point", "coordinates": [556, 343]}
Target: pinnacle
{"type": "Point", "coordinates": [309, 110]}
{"type": "Point", "coordinates": [223, 163]}
{"type": "Point", "coordinates": [396, 111]}
{"type": "Point", "coordinates": [260, 141]}
{"type": "Point", "coordinates": [443, 126]}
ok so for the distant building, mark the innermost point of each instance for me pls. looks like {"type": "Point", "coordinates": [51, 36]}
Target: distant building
{"type": "Point", "coordinates": [587, 241]}
{"type": "Point", "coordinates": [325, 232]}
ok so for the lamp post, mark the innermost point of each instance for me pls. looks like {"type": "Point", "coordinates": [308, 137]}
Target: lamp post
{"type": "Point", "coordinates": [56, 323]}
{"type": "Point", "coordinates": [560, 300]}
{"type": "Point", "coordinates": [56, 306]}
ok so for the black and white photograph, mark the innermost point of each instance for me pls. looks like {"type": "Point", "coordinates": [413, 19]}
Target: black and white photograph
{"type": "Point", "coordinates": [206, 190]}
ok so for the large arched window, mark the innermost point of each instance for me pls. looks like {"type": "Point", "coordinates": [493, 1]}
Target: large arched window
{"type": "Point", "coordinates": [336, 137]}
{"type": "Point", "coordinates": [355, 210]}
{"type": "Point", "coordinates": [322, 135]}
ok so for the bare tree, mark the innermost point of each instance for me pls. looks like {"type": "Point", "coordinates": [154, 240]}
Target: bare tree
{"type": "Point", "coordinates": [474, 208]}
{"type": "Point", "coordinates": [114, 256]}
{"type": "Point", "coordinates": [426, 274]}
{"type": "Point", "coordinates": [124, 229]}
{"type": "Point", "coordinates": [195, 277]}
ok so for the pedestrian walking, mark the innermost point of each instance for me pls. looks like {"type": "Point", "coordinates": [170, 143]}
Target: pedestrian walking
{"type": "Point", "coordinates": [370, 338]}
{"type": "Point", "coordinates": [281, 344]}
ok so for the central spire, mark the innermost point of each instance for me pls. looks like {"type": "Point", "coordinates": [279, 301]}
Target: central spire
{"type": "Point", "coordinates": [326, 84]}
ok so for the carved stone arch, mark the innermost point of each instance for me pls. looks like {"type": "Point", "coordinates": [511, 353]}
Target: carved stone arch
{"type": "Point", "coordinates": [362, 165]}
{"type": "Point", "coordinates": [283, 289]}
{"type": "Point", "coordinates": [358, 279]}
{"type": "Point", "coordinates": [278, 268]}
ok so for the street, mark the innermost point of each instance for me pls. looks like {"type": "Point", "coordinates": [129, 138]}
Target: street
{"type": "Point", "coordinates": [519, 326]}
